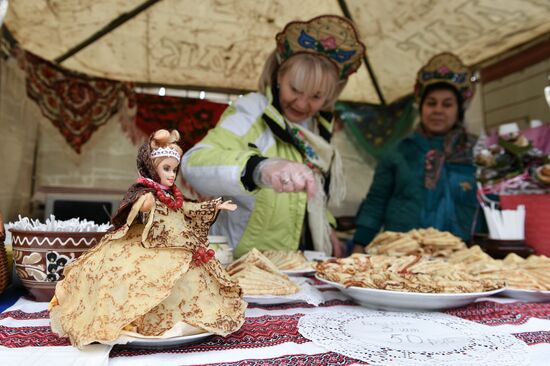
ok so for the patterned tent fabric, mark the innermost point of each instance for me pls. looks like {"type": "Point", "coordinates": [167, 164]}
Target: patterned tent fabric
{"type": "Point", "coordinates": [223, 44]}
{"type": "Point", "coordinates": [191, 117]}
{"type": "Point", "coordinates": [374, 129]}
{"type": "Point", "coordinates": [76, 104]}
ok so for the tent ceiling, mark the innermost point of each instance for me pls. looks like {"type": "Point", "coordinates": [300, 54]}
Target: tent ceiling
{"type": "Point", "coordinates": [221, 44]}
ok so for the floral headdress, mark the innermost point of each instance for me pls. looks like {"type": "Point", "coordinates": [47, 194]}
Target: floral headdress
{"type": "Point", "coordinates": [445, 68]}
{"type": "Point", "coordinates": [331, 36]}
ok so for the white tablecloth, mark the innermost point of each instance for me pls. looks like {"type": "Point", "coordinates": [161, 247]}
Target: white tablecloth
{"type": "Point", "coordinates": [269, 337]}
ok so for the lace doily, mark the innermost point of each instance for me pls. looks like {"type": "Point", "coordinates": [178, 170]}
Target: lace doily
{"type": "Point", "coordinates": [395, 338]}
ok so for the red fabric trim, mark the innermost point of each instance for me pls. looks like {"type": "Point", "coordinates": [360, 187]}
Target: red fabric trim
{"type": "Point", "coordinates": [493, 313]}
{"type": "Point", "coordinates": [76, 104]}
{"type": "Point", "coordinates": [271, 330]}
{"type": "Point", "coordinates": [191, 117]}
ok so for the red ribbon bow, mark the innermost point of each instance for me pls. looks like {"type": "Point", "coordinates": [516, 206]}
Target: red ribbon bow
{"type": "Point", "coordinates": [202, 255]}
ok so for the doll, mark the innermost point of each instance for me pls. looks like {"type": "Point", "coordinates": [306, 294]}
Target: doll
{"type": "Point", "coordinates": [153, 273]}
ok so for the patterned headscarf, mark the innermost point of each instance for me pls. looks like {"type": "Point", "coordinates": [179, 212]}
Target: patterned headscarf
{"type": "Point", "coordinates": [144, 163]}
{"type": "Point", "coordinates": [446, 68]}
{"type": "Point", "coordinates": [146, 169]}
{"type": "Point", "coordinates": [457, 148]}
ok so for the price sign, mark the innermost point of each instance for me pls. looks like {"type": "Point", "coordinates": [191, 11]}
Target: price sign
{"type": "Point", "coordinates": [406, 334]}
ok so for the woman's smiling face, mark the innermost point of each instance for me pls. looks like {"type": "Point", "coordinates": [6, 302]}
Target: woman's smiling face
{"type": "Point", "coordinates": [439, 111]}
{"type": "Point", "coordinates": [296, 104]}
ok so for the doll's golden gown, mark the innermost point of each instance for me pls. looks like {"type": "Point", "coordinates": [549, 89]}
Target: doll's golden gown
{"type": "Point", "coordinates": [141, 277]}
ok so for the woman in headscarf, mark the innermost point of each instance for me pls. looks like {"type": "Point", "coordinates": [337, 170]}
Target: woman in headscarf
{"type": "Point", "coordinates": [153, 274]}
{"type": "Point", "coordinates": [428, 179]}
{"type": "Point", "coordinates": [271, 151]}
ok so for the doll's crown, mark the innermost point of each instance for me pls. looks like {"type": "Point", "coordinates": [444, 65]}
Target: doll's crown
{"type": "Point", "coordinates": [331, 36]}
{"type": "Point", "coordinates": [167, 152]}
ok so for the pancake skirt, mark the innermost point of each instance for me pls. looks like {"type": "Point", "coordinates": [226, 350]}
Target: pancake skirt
{"type": "Point", "coordinates": [141, 278]}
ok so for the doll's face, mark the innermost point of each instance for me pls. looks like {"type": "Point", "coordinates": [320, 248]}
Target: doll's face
{"type": "Point", "coordinates": [167, 170]}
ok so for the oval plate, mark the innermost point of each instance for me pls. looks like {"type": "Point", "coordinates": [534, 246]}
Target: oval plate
{"type": "Point", "coordinates": [527, 295]}
{"type": "Point", "coordinates": [402, 301]}
{"type": "Point", "coordinates": [167, 342]}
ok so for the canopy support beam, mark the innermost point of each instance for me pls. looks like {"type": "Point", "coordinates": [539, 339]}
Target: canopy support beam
{"type": "Point", "coordinates": [347, 14]}
{"type": "Point", "coordinates": [115, 23]}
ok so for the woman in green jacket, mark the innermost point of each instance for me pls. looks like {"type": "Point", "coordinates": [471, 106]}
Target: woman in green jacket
{"type": "Point", "coordinates": [271, 154]}
{"type": "Point", "coordinates": [428, 179]}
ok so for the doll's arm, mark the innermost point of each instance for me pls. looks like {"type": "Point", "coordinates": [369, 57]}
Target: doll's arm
{"type": "Point", "coordinates": [148, 203]}
{"type": "Point", "coordinates": [138, 208]}
{"type": "Point", "coordinates": [206, 212]}
{"type": "Point", "coordinates": [203, 212]}
{"type": "Point", "coordinates": [227, 205]}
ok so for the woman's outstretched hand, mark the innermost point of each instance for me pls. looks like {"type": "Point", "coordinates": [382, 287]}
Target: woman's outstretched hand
{"type": "Point", "coordinates": [285, 176]}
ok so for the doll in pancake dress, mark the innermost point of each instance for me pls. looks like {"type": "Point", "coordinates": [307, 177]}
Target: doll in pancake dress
{"type": "Point", "coordinates": [153, 273]}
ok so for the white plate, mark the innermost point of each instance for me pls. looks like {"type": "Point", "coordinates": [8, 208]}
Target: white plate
{"type": "Point", "coordinates": [298, 272]}
{"type": "Point", "coordinates": [269, 299]}
{"type": "Point", "coordinates": [167, 342]}
{"type": "Point", "coordinates": [401, 301]}
{"type": "Point", "coordinates": [527, 295]}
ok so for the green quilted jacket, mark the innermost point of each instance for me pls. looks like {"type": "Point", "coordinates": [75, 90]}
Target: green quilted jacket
{"type": "Point", "coordinates": [398, 200]}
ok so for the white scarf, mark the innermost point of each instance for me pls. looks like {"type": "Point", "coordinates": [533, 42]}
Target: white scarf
{"type": "Point", "coordinates": [323, 156]}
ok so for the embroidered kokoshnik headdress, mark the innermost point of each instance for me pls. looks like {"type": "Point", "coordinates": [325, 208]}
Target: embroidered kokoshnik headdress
{"type": "Point", "coordinates": [331, 36]}
{"type": "Point", "coordinates": [165, 151]}
{"type": "Point", "coordinates": [445, 68]}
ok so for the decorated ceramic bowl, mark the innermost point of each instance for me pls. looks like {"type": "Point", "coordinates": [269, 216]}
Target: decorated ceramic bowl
{"type": "Point", "coordinates": [41, 256]}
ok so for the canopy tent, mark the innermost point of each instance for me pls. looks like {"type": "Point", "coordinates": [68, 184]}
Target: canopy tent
{"type": "Point", "coordinates": [222, 44]}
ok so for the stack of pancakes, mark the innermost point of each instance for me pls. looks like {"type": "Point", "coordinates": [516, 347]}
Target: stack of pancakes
{"type": "Point", "coordinates": [257, 275]}
{"type": "Point", "coordinates": [429, 241]}
{"type": "Point", "coordinates": [288, 261]}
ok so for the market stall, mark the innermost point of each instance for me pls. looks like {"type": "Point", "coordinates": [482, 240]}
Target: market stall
{"type": "Point", "coordinates": [421, 297]}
